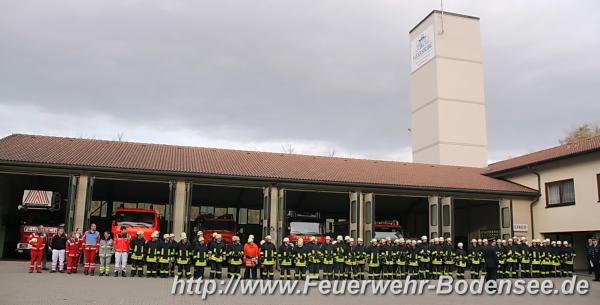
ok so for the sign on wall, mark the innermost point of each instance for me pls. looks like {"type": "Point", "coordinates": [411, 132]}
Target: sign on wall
{"type": "Point", "coordinates": [422, 48]}
{"type": "Point", "coordinates": [520, 227]}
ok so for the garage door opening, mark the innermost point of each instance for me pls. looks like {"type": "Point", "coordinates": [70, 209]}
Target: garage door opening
{"type": "Point", "coordinates": [400, 216]}
{"type": "Point", "coordinates": [227, 210]}
{"type": "Point", "coordinates": [109, 194]}
{"type": "Point", "coordinates": [476, 219]}
{"type": "Point", "coordinates": [315, 214]}
{"type": "Point", "coordinates": [27, 201]}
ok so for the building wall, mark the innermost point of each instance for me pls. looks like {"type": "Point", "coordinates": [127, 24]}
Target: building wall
{"type": "Point", "coordinates": [584, 215]}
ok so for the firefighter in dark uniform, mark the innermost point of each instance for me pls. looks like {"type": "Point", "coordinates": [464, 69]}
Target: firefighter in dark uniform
{"type": "Point", "coordinates": [136, 252]}
{"type": "Point", "coordinates": [568, 257]}
{"type": "Point", "coordinates": [437, 257]}
{"type": "Point", "coordinates": [594, 254]}
{"type": "Point", "coordinates": [163, 257]}
{"type": "Point", "coordinates": [314, 257]}
{"type": "Point", "coordinates": [449, 253]}
{"type": "Point", "coordinates": [327, 252]}
{"type": "Point", "coordinates": [201, 257]}
{"type": "Point", "coordinates": [301, 253]}
{"type": "Point", "coordinates": [339, 249]}
{"type": "Point", "coordinates": [546, 256]}
{"type": "Point", "coordinates": [511, 257]}
{"type": "Point", "coordinates": [388, 258]}
{"type": "Point", "coordinates": [235, 257]}
{"type": "Point", "coordinates": [217, 252]}
{"type": "Point", "coordinates": [424, 258]}
{"type": "Point", "coordinates": [268, 257]}
{"type": "Point", "coordinates": [183, 255]}
{"type": "Point", "coordinates": [360, 259]}
{"type": "Point", "coordinates": [460, 259]}
{"type": "Point", "coordinates": [401, 251]}
{"type": "Point", "coordinates": [525, 255]}
{"type": "Point", "coordinates": [474, 259]}
{"type": "Point", "coordinates": [152, 250]}
{"type": "Point", "coordinates": [350, 260]}
{"type": "Point", "coordinates": [535, 254]}
{"type": "Point", "coordinates": [373, 260]}
{"type": "Point", "coordinates": [412, 260]}
{"type": "Point", "coordinates": [286, 259]}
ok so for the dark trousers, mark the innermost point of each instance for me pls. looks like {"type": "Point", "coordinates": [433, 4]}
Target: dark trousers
{"type": "Point", "coordinates": [250, 272]}
{"type": "Point", "coordinates": [374, 273]}
{"type": "Point", "coordinates": [267, 272]}
{"type": "Point", "coordinates": [300, 272]}
{"type": "Point", "coordinates": [313, 269]}
{"type": "Point", "coordinates": [198, 272]}
{"type": "Point", "coordinates": [151, 269]}
{"type": "Point", "coordinates": [137, 267]}
{"type": "Point", "coordinates": [460, 272]}
{"type": "Point", "coordinates": [286, 272]}
{"type": "Point", "coordinates": [597, 270]}
{"type": "Point", "coordinates": [163, 269]}
{"type": "Point", "coordinates": [424, 268]}
{"type": "Point", "coordinates": [328, 271]}
{"type": "Point", "coordinates": [216, 268]}
{"type": "Point", "coordinates": [491, 274]}
{"type": "Point", "coordinates": [338, 270]}
{"type": "Point", "coordinates": [183, 270]}
{"type": "Point", "coordinates": [234, 270]}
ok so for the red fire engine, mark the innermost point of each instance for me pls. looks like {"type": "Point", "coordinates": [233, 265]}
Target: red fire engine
{"type": "Point", "coordinates": [38, 207]}
{"type": "Point", "coordinates": [388, 228]}
{"type": "Point", "coordinates": [135, 220]}
{"type": "Point", "coordinates": [305, 226]}
{"type": "Point", "coordinates": [224, 225]}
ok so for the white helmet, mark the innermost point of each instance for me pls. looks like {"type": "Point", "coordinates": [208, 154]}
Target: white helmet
{"type": "Point", "coordinates": [340, 238]}
{"type": "Point", "coordinates": [286, 240]}
{"type": "Point", "coordinates": [268, 237]}
{"type": "Point", "coordinates": [423, 237]}
{"type": "Point", "coordinates": [460, 245]}
{"type": "Point", "coordinates": [235, 238]}
{"type": "Point", "coordinates": [183, 235]}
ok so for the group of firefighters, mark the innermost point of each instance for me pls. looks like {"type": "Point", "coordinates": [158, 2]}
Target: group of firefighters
{"type": "Point", "coordinates": [342, 258]}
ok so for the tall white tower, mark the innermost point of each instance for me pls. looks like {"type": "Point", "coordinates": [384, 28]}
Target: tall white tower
{"type": "Point", "coordinates": [448, 123]}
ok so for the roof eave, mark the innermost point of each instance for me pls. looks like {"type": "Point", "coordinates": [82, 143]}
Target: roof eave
{"type": "Point", "coordinates": [269, 179]}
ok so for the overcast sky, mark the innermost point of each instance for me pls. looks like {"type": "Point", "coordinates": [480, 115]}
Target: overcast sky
{"type": "Point", "coordinates": [319, 76]}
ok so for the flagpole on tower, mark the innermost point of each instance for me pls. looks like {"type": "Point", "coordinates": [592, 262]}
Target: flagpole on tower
{"type": "Point", "coordinates": [442, 10]}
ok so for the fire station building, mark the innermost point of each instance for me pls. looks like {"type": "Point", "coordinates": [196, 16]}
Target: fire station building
{"type": "Point", "coordinates": [450, 190]}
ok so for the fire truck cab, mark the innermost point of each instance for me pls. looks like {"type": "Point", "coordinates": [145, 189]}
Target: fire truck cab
{"type": "Point", "coordinates": [305, 226]}
{"type": "Point", "coordinates": [388, 228]}
{"type": "Point", "coordinates": [135, 220]}
{"type": "Point", "coordinates": [37, 208]}
{"type": "Point", "coordinates": [224, 225]}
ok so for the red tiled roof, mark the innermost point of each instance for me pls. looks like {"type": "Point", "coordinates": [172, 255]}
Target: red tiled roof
{"type": "Point", "coordinates": [71, 152]}
{"type": "Point", "coordinates": [547, 155]}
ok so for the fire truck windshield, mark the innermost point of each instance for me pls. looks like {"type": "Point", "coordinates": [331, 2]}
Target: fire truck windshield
{"type": "Point", "coordinates": [218, 225]}
{"type": "Point", "coordinates": [387, 232]}
{"type": "Point", "coordinates": [135, 219]}
{"type": "Point", "coordinates": [305, 228]}
{"type": "Point", "coordinates": [40, 217]}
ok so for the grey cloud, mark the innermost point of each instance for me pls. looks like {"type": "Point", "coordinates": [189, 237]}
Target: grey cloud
{"type": "Point", "coordinates": [323, 71]}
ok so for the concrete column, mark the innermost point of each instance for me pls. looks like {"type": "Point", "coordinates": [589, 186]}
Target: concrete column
{"type": "Point", "coordinates": [505, 206]}
{"type": "Point", "coordinates": [80, 200]}
{"type": "Point", "coordinates": [353, 215]}
{"type": "Point", "coordinates": [180, 208]}
{"type": "Point", "coordinates": [274, 213]}
{"type": "Point", "coordinates": [434, 216]}
{"type": "Point", "coordinates": [361, 216]}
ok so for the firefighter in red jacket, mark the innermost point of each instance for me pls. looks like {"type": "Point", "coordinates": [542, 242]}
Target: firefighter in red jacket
{"type": "Point", "coordinates": [37, 242]}
{"type": "Point", "coordinates": [72, 253]}
{"type": "Point", "coordinates": [91, 242]}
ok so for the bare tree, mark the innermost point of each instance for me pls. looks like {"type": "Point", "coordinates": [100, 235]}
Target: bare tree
{"type": "Point", "coordinates": [120, 136]}
{"type": "Point", "coordinates": [287, 148]}
{"type": "Point", "coordinates": [581, 132]}
{"type": "Point", "coordinates": [332, 152]}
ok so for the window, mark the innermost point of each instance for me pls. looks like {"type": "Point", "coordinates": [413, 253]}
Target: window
{"type": "Point", "coordinates": [505, 218]}
{"type": "Point", "coordinates": [368, 212]}
{"type": "Point", "coordinates": [560, 193]}
{"type": "Point", "coordinates": [254, 217]}
{"type": "Point", "coordinates": [433, 214]}
{"type": "Point", "coordinates": [353, 211]}
{"type": "Point", "coordinates": [243, 216]}
{"type": "Point", "coordinates": [598, 182]}
{"type": "Point", "coordinates": [446, 215]}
